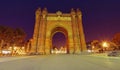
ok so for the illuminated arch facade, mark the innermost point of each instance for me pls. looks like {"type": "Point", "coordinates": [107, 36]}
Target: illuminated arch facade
{"type": "Point", "coordinates": [47, 24]}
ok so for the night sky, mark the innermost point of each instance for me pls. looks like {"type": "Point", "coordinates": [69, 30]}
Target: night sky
{"type": "Point", "coordinates": [101, 18]}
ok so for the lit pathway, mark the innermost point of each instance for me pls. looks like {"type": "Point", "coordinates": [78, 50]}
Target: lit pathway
{"type": "Point", "coordinates": [9, 58]}
{"type": "Point", "coordinates": [61, 62]}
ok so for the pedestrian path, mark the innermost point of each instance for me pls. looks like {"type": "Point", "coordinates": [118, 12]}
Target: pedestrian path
{"type": "Point", "coordinates": [99, 54]}
{"type": "Point", "coordinates": [5, 58]}
{"type": "Point", "coordinates": [103, 55]}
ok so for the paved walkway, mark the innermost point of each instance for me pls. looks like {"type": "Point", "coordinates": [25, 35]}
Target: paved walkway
{"type": "Point", "coordinates": [60, 62]}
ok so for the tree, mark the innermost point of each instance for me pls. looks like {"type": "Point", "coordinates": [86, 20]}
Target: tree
{"type": "Point", "coordinates": [19, 36]}
{"type": "Point", "coordinates": [10, 36]}
{"type": "Point", "coordinates": [96, 44]}
{"type": "Point", "coordinates": [2, 29]}
{"type": "Point", "coordinates": [116, 39]}
{"type": "Point", "coordinates": [5, 36]}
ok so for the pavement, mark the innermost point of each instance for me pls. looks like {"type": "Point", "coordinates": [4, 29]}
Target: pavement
{"type": "Point", "coordinates": [60, 62]}
{"type": "Point", "coordinates": [11, 58]}
{"type": "Point", "coordinates": [102, 55]}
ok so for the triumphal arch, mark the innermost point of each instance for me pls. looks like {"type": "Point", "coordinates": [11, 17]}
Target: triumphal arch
{"type": "Point", "coordinates": [47, 24]}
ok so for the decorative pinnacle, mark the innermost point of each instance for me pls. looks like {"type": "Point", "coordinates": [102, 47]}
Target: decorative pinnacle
{"type": "Point", "coordinates": [59, 13]}
{"type": "Point", "coordinates": [79, 11]}
{"type": "Point", "coordinates": [38, 11]}
{"type": "Point", "coordinates": [73, 12]}
{"type": "Point", "coordinates": [44, 11]}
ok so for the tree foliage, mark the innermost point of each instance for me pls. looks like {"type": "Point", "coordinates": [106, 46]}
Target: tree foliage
{"type": "Point", "coordinates": [116, 38]}
{"type": "Point", "coordinates": [12, 36]}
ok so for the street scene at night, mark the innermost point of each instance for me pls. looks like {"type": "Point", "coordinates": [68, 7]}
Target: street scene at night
{"type": "Point", "coordinates": [59, 35]}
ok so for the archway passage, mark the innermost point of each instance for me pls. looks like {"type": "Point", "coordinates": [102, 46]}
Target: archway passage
{"type": "Point", "coordinates": [59, 43]}
{"type": "Point", "coordinates": [59, 40]}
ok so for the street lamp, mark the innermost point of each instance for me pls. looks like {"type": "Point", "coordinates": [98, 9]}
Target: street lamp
{"type": "Point", "coordinates": [105, 45]}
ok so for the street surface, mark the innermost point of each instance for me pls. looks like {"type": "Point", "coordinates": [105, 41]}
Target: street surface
{"type": "Point", "coordinates": [60, 62]}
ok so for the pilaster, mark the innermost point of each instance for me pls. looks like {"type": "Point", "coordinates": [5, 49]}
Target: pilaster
{"type": "Point", "coordinates": [34, 47]}
{"type": "Point", "coordinates": [75, 32]}
{"type": "Point", "coordinates": [43, 31]}
{"type": "Point", "coordinates": [81, 32]}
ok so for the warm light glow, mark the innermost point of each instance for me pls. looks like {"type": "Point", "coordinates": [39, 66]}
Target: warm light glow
{"type": "Point", "coordinates": [6, 52]}
{"type": "Point", "coordinates": [15, 48]}
{"type": "Point", "coordinates": [23, 47]}
{"type": "Point", "coordinates": [89, 50]}
{"type": "Point", "coordinates": [105, 44]}
{"type": "Point", "coordinates": [93, 47]}
{"type": "Point", "coordinates": [10, 48]}
{"type": "Point", "coordinates": [62, 50]}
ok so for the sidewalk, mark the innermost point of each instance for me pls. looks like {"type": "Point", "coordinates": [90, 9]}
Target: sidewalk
{"type": "Point", "coordinates": [10, 58]}
{"type": "Point", "coordinates": [103, 55]}
{"type": "Point", "coordinates": [99, 54]}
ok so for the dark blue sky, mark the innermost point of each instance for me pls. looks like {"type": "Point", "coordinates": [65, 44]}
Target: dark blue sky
{"type": "Point", "coordinates": [101, 18]}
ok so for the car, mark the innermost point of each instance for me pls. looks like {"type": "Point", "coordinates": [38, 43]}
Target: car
{"type": "Point", "coordinates": [114, 53]}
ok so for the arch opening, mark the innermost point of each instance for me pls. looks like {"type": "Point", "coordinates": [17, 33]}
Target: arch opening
{"type": "Point", "coordinates": [59, 41]}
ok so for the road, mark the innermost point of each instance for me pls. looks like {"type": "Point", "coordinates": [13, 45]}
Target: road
{"type": "Point", "coordinates": [60, 62]}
